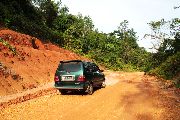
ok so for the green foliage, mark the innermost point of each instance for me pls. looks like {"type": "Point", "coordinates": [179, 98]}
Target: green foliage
{"type": "Point", "coordinates": [165, 62]}
{"type": "Point", "coordinates": [176, 43]}
{"type": "Point", "coordinates": [118, 53]}
{"type": "Point", "coordinates": [10, 47]}
{"type": "Point", "coordinates": [49, 9]}
{"type": "Point", "coordinates": [169, 68]}
{"type": "Point", "coordinates": [24, 17]}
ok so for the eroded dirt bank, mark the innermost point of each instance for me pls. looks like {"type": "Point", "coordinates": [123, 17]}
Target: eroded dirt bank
{"type": "Point", "coordinates": [27, 63]}
{"type": "Point", "coordinates": [128, 96]}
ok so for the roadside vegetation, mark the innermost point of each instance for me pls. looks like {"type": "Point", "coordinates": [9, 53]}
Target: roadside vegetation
{"type": "Point", "coordinates": [118, 50]}
{"type": "Point", "coordinates": [6, 44]}
{"type": "Point", "coordinates": [165, 62]}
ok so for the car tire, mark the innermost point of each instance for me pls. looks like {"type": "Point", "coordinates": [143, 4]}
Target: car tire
{"type": "Point", "coordinates": [63, 92]}
{"type": "Point", "coordinates": [89, 89]}
{"type": "Point", "coordinates": [103, 85]}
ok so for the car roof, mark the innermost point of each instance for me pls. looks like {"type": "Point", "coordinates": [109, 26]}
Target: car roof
{"type": "Point", "coordinates": [85, 62]}
{"type": "Point", "coordinates": [70, 61]}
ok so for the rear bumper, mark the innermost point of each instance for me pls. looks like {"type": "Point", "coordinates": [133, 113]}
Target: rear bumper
{"type": "Point", "coordinates": [69, 88]}
{"type": "Point", "coordinates": [75, 86]}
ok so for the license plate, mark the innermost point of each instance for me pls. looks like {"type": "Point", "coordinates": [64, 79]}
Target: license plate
{"type": "Point", "coordinates": [67, 78]}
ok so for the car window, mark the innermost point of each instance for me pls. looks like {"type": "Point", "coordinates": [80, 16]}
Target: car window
{"type": "Point", "coordinates": [88, 67]}
{"type": "Point", "coordinates": [95, 68]}
{"type": "Point", "coordinates": [70, 66]}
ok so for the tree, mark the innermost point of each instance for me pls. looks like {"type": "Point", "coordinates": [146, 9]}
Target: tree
{"type": "Point", "coordinates": [165, 62]}
{"type": "Point", "coordinates": [164, 32]}
{"type": "Point", "coordinates": [49, 10]}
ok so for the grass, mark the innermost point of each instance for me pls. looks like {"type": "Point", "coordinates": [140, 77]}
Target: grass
{"type": "Point", "coordinates": [10, 47]}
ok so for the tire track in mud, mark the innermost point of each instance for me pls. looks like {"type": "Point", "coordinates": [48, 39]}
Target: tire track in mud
{"type": "Point", "coordinates": [46, 89]}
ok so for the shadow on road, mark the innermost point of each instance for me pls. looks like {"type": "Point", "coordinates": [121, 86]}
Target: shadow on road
{"type": "Point", "coordinates": [76, 92]}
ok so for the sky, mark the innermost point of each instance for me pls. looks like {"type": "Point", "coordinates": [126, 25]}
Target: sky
{"type": "Point", "coordinates": [107, 14]}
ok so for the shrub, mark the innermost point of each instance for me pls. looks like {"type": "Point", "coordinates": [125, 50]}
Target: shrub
{"type": "Point", "coordinates": [169, 68]}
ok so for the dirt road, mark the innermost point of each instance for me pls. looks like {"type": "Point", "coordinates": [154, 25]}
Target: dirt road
{"type": "Point", "coordinates": [128, 96]}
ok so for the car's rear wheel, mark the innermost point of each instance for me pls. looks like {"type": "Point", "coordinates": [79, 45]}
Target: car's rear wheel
{"type": "Point", "coordinates": [103, 85]}
{"type": "Point", "coordinates": [89, 89]}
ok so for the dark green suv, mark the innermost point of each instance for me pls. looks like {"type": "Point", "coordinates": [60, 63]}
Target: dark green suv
{"type": "Point", "coordinates": [78, 75]}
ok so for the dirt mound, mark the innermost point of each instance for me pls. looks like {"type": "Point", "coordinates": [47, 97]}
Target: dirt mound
{"type": "Point", "coordinates": [26, 62]}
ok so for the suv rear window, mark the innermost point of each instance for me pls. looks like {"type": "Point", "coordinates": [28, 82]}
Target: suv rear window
{"type": "Point", "coordinates": [70, 66]}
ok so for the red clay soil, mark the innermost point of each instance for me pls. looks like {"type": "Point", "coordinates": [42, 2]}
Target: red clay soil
{"type": "Point", "coordinates": [127, 96]}
{"type": "Point", "coordinates": [33, 65]}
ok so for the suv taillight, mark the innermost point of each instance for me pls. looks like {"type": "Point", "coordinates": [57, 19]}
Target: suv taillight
{"type": "Point", "coordinates": [81, 78]}
{"type": "Point", "coordinates": [56, 79]}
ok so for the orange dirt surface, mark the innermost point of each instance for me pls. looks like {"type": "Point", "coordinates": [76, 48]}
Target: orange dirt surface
{"type": "Point", "coordinates": [127, 96]}
{"type": "Point", "coordinates": [34, 63]}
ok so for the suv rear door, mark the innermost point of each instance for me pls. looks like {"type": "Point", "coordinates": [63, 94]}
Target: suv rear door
{"type": "Point", "coordinates": [69, 71]}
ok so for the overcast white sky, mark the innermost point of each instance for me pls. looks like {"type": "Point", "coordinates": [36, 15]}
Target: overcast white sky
{"type": "Point", "coordinates": [107, 14]}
